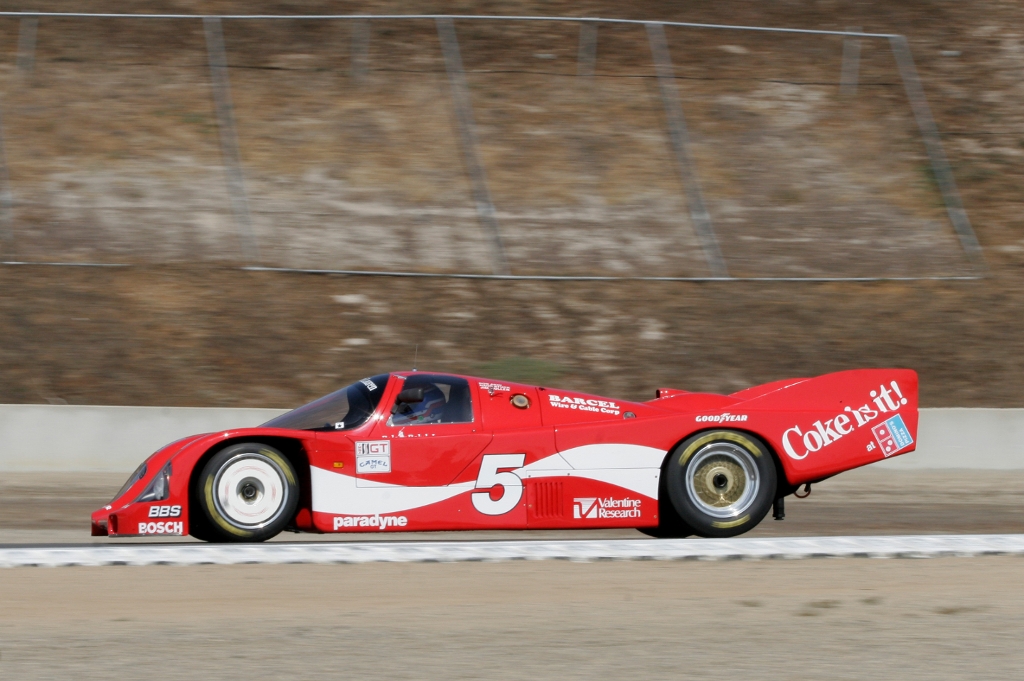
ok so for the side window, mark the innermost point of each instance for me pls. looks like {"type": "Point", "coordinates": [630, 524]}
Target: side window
{"type": "Point", "coordinates": [428, 399]}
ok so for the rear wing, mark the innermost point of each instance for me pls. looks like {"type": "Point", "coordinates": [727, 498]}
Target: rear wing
{"type": "Point", "coordinates": [822, 426]}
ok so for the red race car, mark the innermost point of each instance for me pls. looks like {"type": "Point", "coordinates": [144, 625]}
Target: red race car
{"type": "Point", "coordinates": [424, 451]}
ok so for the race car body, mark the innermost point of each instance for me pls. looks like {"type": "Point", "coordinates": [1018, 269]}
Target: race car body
{"type": "Point", "coordinates": [411, 451]}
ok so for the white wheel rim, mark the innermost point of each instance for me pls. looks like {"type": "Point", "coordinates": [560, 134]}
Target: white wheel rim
{"type": "Point", "coordinates": [250, 491]}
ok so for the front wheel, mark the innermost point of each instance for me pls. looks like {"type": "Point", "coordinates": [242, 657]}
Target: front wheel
{"type": "Point", "coordinates": [721, 483]}
{"type": "Point", "coordinates": [248, 492]}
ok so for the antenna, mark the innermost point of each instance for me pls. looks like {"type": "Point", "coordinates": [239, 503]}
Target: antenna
{"type": "Point", "coordinates": [416, 357]}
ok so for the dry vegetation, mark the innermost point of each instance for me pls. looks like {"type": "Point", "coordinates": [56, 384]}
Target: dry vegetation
{"type": "Point", "coordinates": [114, 156]}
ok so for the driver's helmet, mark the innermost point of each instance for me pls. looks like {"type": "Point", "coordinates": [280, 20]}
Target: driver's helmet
{"type": "Point", "coordinates": [427, 411]}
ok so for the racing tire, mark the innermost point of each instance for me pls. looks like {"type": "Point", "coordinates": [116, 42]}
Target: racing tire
{"type": "Point", "coordinates": [247, 492]}
{"type": "Point", "coordinates": [670, 525]}
{"type": "Point", "coordinates": [721, 482]}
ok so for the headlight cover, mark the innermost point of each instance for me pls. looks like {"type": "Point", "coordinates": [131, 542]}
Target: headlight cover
{"type": "Point", "coordinates": [159, 487]}
{"type": "Point", "coordinates": [139, 474]}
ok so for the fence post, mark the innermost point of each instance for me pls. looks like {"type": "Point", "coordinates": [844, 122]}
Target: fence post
{"type": "Point", "coordinates": [6, 197]}
{"type": "Point", "coordinates": [467, 136]}
{"type": "Point", "coordinates": [851, 63]}
{"type": "Point", "coordinates": [229, 136]}
{"type": "Point", "coordinates": [680, 145]}
{"type": "Point", "coordinates": [586, 58]}
{"type": "Point", "coordinates": [933, 144]}
{"type": "Point", "coordinates": [27, 44]}
{"type": "Point", "coordinates": [360, 54]}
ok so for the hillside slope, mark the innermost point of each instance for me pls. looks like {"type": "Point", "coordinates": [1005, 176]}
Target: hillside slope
{"type": "Point", "coordinates": [114, 156]}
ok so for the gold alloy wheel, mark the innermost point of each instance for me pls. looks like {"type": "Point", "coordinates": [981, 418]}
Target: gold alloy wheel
{"type": "Point", "coordinates": [722, 480]}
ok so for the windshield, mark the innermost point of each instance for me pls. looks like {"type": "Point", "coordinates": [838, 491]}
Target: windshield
{"type": "Point", "coordinates": [342, 410]}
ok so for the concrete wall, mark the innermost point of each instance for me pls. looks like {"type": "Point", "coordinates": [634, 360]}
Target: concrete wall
{"type": "Point", "coordinates": [983, 439]}
{"type": "Point", "coordinates": [116, 439]}
{"type": "Point", "coordinates": [36, 437]}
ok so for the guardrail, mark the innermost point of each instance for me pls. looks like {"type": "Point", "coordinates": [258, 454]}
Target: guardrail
{"type": "Point", "coordinates": [486, 213]}
{"type": "Point", "coordinates": [54, 438]}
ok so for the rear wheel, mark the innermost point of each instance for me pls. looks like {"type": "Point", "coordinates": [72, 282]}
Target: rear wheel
{"type": "Point", "coordinates": [721, 483]}
{"type": "Point", "coordinates": [248, 492]}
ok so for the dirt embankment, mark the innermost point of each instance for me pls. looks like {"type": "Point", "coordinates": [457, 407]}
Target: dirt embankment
{"type": "Point", "coordinates": [222, 337]}
{"type": "Point", "coordinates": [113, 151]}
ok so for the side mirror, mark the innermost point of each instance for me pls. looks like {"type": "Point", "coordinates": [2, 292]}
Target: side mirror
{"type": "Point", "coordinates": [410, 396]}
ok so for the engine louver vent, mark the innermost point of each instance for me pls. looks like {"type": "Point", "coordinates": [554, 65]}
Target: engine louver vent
{"type": "Point", "coordinates": [546, 499]}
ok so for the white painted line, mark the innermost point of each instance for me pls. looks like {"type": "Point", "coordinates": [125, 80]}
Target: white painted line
{"type": "Point", "coordinates": [920, 546]}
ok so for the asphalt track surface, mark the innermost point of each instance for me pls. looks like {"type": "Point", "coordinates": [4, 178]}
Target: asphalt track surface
{"type": "Point", "coordinates": [845, 618]}
{"type": "Point", "coordinates": [948, 618]}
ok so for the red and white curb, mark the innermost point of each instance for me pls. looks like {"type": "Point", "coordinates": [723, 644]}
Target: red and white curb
{"type": "Point", "coordinates": [920, 546]}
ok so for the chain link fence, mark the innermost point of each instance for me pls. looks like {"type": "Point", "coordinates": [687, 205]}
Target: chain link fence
{"type": "Point", "coordinates": [477, 146]}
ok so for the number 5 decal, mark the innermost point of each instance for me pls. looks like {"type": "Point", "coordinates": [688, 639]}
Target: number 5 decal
{"type": "Point", "coordinates": [511, 484]}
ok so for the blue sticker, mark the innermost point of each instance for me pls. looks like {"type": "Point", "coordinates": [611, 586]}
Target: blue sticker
{"type": "Point", "coordinates": [899, 431]}
{"type": "Point", "coordinates": [892, 435]}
